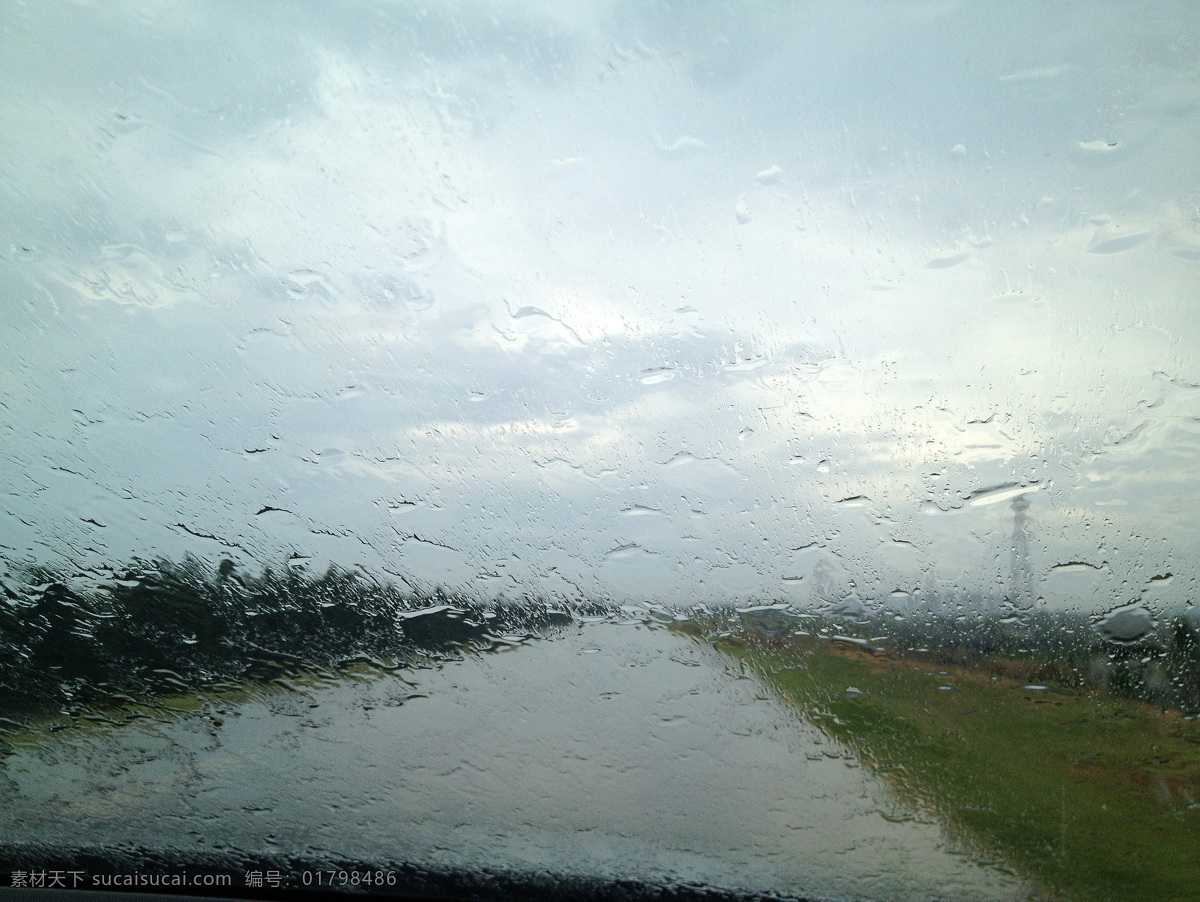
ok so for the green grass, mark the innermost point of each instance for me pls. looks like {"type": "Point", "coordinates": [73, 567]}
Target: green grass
{"type": "Point", "coordinates": [1091, 796]}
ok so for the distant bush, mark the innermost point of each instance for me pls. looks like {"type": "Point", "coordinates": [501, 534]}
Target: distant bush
{"type": "Point", "coordinates": [159, 627]}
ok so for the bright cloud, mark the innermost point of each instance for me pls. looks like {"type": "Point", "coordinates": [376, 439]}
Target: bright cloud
{"type": "Point", "coordinates": [810, 298]}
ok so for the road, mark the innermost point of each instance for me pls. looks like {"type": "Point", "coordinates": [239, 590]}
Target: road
{"type": "Point", "coordinates": [614, 749]}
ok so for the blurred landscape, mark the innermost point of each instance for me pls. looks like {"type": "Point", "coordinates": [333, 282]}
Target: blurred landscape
{"type": "Point", "coordinates": [1063, 745]}
{"type": "Point", "coordinates": [159, 627]}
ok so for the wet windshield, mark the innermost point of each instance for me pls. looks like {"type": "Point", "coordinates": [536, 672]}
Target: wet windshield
{"type": "Point", "coordinates": [601, 447]}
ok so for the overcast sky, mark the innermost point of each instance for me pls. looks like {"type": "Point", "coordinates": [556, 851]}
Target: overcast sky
{"type": "Point", "coordinates": [669, 301]}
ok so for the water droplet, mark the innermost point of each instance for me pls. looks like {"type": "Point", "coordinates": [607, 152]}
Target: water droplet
{"type": "Point", "coordinates": [28, 253]}
{"type": "Point", "coordinates": [769, 176]}
{"type": "Point", "coordinates": [638, 510]}
{"type": "Point", "coordinates": [1117, 239]}
{"type": "Point", "coordinates": [302, 283]}
{"type": "Point", "coordinates": [627, 553]}
{"type": "Point", "coordinates": [1036, 74]}
{"type": "Point", "coordinates": [998, 493]}
{"type": "Point", "coordinates": [1099, 147]}
{"type": "Point", "coordinates": [1076, 567]}
{"type": "Point", "coordinates": [768, 621]}
{"type": "Point", "coordinates": [945, 261]}
{"type": "Point", "coordinates": [746, 365]}
{"type": "Point", "coordinates": [1181, 244]}
{"type": "Point", "coordinates": [681, 459]}
{"type": "Point", "coordinates": [1126, 624]}
{"type": "Point", "coordinates": [657, 375]}
{"type": "Point", "coordinates": [683, 146]}
{"type": "Point", "coordinates": [117, 251]}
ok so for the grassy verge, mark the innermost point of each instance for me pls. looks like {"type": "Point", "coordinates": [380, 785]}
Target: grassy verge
{"type": "Point", "coordinates": [1093, 796]}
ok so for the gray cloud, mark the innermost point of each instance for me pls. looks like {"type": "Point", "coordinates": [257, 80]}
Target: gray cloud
{"type": "Point", "coordinates": [638, 301]}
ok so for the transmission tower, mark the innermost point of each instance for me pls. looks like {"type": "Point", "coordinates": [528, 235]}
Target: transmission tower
{"type": "Point", "coordinates": [1022, 579]}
